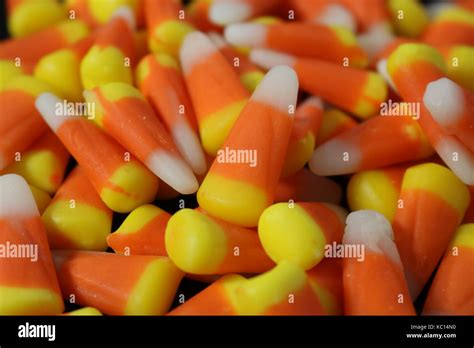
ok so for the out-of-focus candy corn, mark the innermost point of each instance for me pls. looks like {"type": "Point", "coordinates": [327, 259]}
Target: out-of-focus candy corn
{"type": "Point", "coordinates": [122, 182]}
{"type": "Point", "coordinates": [239, 186]}
{"type": "Point", "coordinates": [197, 13]}
{"type": "Point", "coordinates": [77, 218]}
{"type": "Point", "coordinates": [21, 124]}
{"type": "Point", "coordinates": [370, 14]}
{"type": "Point", "coordinates": [61, 69]}
{"type": "Point", "coordinates": [217, 94]}
{"type": "Point", "coordinates": [28, 283]}
{"type": "Point", "coordinates": [308, 40]}
{"type": "Point", "coordinates": [334, 122]}
{"type": "Point", "coordinates": [412, 67]}
{"type": "Point", "coordinates": [141, 233]}
{"type": "Point", "coordinates": [452, 290]}
{"type": "Point", "coordinates": [167, 26]}
{"type": "Point", "coordinates": [326, 281]}
{"type": "Point", "coordinates": [43, 164]}
{"type": "Point", "coordinates": [452, 108]}
{"type": "Point", "coordinates": [161, 81]}
{"type": "Point", "coordinates": [308, 118]}
{"type": "Point", "coordinates": [250, 75]}
{"type": "Point", "coordinates": [117, 284]}
{"type": "Point", "coordinates": [200, 244]}
{"type": "Point", "coordinates": [86, 311]}
{"type": "Point", "coordinates": [324, 79]}
{"type": "Point", "coordinates": [433, 204]}
{"type": "Point", "coordinates": [458, 61]}
{"type": "Point", "coordinates": [305, 186]}
{"type": "Point", "coordinates": [328, 12]}
{"type": "Point", "coordinates": [452, 26]}
{"type": "Point", "coordinates": [42, 198]}
{"type": "Point", "coordinates": [119, 105]}
{"type": "Point", "coordinates": [26, 17]}
{"type": "Point", "coordinates": [299, 232]}
{"type": "Point", "coordinates": [112, 55]}
{"type": "Point", "coordinates": [376, 190]}
{"type": "Point", "coordinates": [374, 284]}
{"type": "Point", "coordinates": [409, 17]}
{"type": "Point", "coordinates": [8, 70]}
{"type": "Point", "coordinates": [31, 48]}
{"type": "Point", "coordinates": [354, 150]}
{"type": "Point", "coordinates": [284, 290]}
{"type": "Point", "coordinates": [98, 12]}
{"type": "Point", "coordinates": [225, 12]}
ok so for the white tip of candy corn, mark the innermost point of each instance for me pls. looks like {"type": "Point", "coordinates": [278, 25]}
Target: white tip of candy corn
{"type": "Point", "coordinates": [268, 58]}
{"type": "Point", "coordinates": [279, 88]}
{"type": "Point", "coordinates": [173, 171]}
{"type": "Point", "coordinates": [16, 198]}
{"type": "Point", "coordinates": [375, 39]}
{"type": "Point", "coordinates": [314, 102]}
{"type": "Point", "coordinates": [47, 105]}
{"type": "Point", "coordinates": [445, 101]}
{"type": "Point", "coordinates": [127, 14]}
{"type": "Point", "coordinates": [457, 157]}
{"type": "Point", "coordinates": [372, 229]}
{"type": "Point", "coordinates": [196, 47]}
{"type": "Point", "coordinates": [337, 15]}
{"type": "Point", "coordinates": [223, 12]}
{"type": "Point", "coordinates": [190, 148]}
{"type": "Point", "coordinates": [246, 34]}
{"type": "Point", "coordinates": [335, 157]}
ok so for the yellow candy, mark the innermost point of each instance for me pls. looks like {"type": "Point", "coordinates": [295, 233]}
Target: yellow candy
{"type": "Point", "coordinates": [167, 38]}
{"type": "Point", "coordinates": [8, 69]}
{"type": "Point", "coordinates": [460, 67]}
{"type": "Point", "coordinates": [464, 236]}
{"type": "Point", "coordinates": [86, 311]}
{"type": "Point", "coordinates": [408, 17]}
{"type": "Point", "coordinates": [251, 80]}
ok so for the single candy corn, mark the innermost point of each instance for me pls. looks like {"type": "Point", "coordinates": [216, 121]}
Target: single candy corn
{"type": "Point", "coordinates": [161, 82]}
{"type": "Point", "coordinates": [452, 26]}
{"type": "Point", "coordinates": [118, 106]}
{"type": "Point", "coordinates": [328, 12]}
{"type": "Point", "coordinates": [8, 70]}
{"type": "Point", "coordinates": [21, 124]}
{"type": "Point", "coordinates": [299, 232]}
{"type": "Point", "coordinates": [141, 233]}
{"type": "Point", "coordinates": [122, 182]}
{"type": "Point", "coordinates": [167, 25]}
{"type": "Point", "coordinates": [43, 164]}
{"type": "Point", "coordinates": [374, 283]}
{"type": "Point", "coordinates": [31, 48]}
{"type": "Point", "coordinates": [452, 107]}
{"type": "Point", "coordinates": [26, 17]}
{"type": "Point", "coordinates": [412, 67]}
{"type": "Point", "coordinates": [250, 75]}
{"type": "Point", "coordinates": [458, 60]}
{"type": "Point", "coordinates": [354, 150]}
{"type": "Point", "coordinates": [77, 218]}
{"type": "Point", "coordinates": [224, 12]}
{"type": "Point", "coordinates": [433, 202]}
{"type": "Point", "coordinates": [239, 187]}
{"type": "Point", "coordinates": [42, 199]}
{"type": "Point", "coordinates": [200, 244]}
{"type": "Point", "coordinates": [376, 190]}
{"type": "Point", "coordinates": [326, 281]}
{"type": "Point", "coordinates": [96, 13]}
{"type": "Point", "coordinates": [61, 69]}
{"type": "Point", "coordinates": [409, 17]}
{"type": "Point", "coordinates": [28, 283]}
{"type": "Point", "coordinates": [216, 91]}
{"type": "Point", "coordinates": [112, 55]}
{"type": "Point", "coordinates": [86, 311]}
{"type": "Point", "coordinates": [325, 79]}
{"type": "Point", "coordinates": [334, 122]}
{"type": "Point", "coordinates": [117, 284]}
{"type": "Point", "coordinates": [452, 290]}
{"type": "Point", "coordinates": [284, 290]}
{"type": "Point", "coordinates": [305, 186]}
{"type": "Point", "coordinates": [308, 118]}
{"type": "Point", "coordinates": [308, 40]}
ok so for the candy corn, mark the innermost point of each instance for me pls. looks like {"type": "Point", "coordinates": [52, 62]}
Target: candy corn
{"type": "Point", "coordinates": [238, 189]}
{"type": "Point", "coordinates": [452, 26]}
{"type": "Point", "coordinates": [224, 12]}
{"type": "Point", "coordinates": [334, 122]}
{"type": "Point", "coordinates": [28, 283]}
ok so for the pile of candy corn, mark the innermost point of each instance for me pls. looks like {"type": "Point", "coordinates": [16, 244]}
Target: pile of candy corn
{"type": "Point", "coordinates": [330, 145]}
